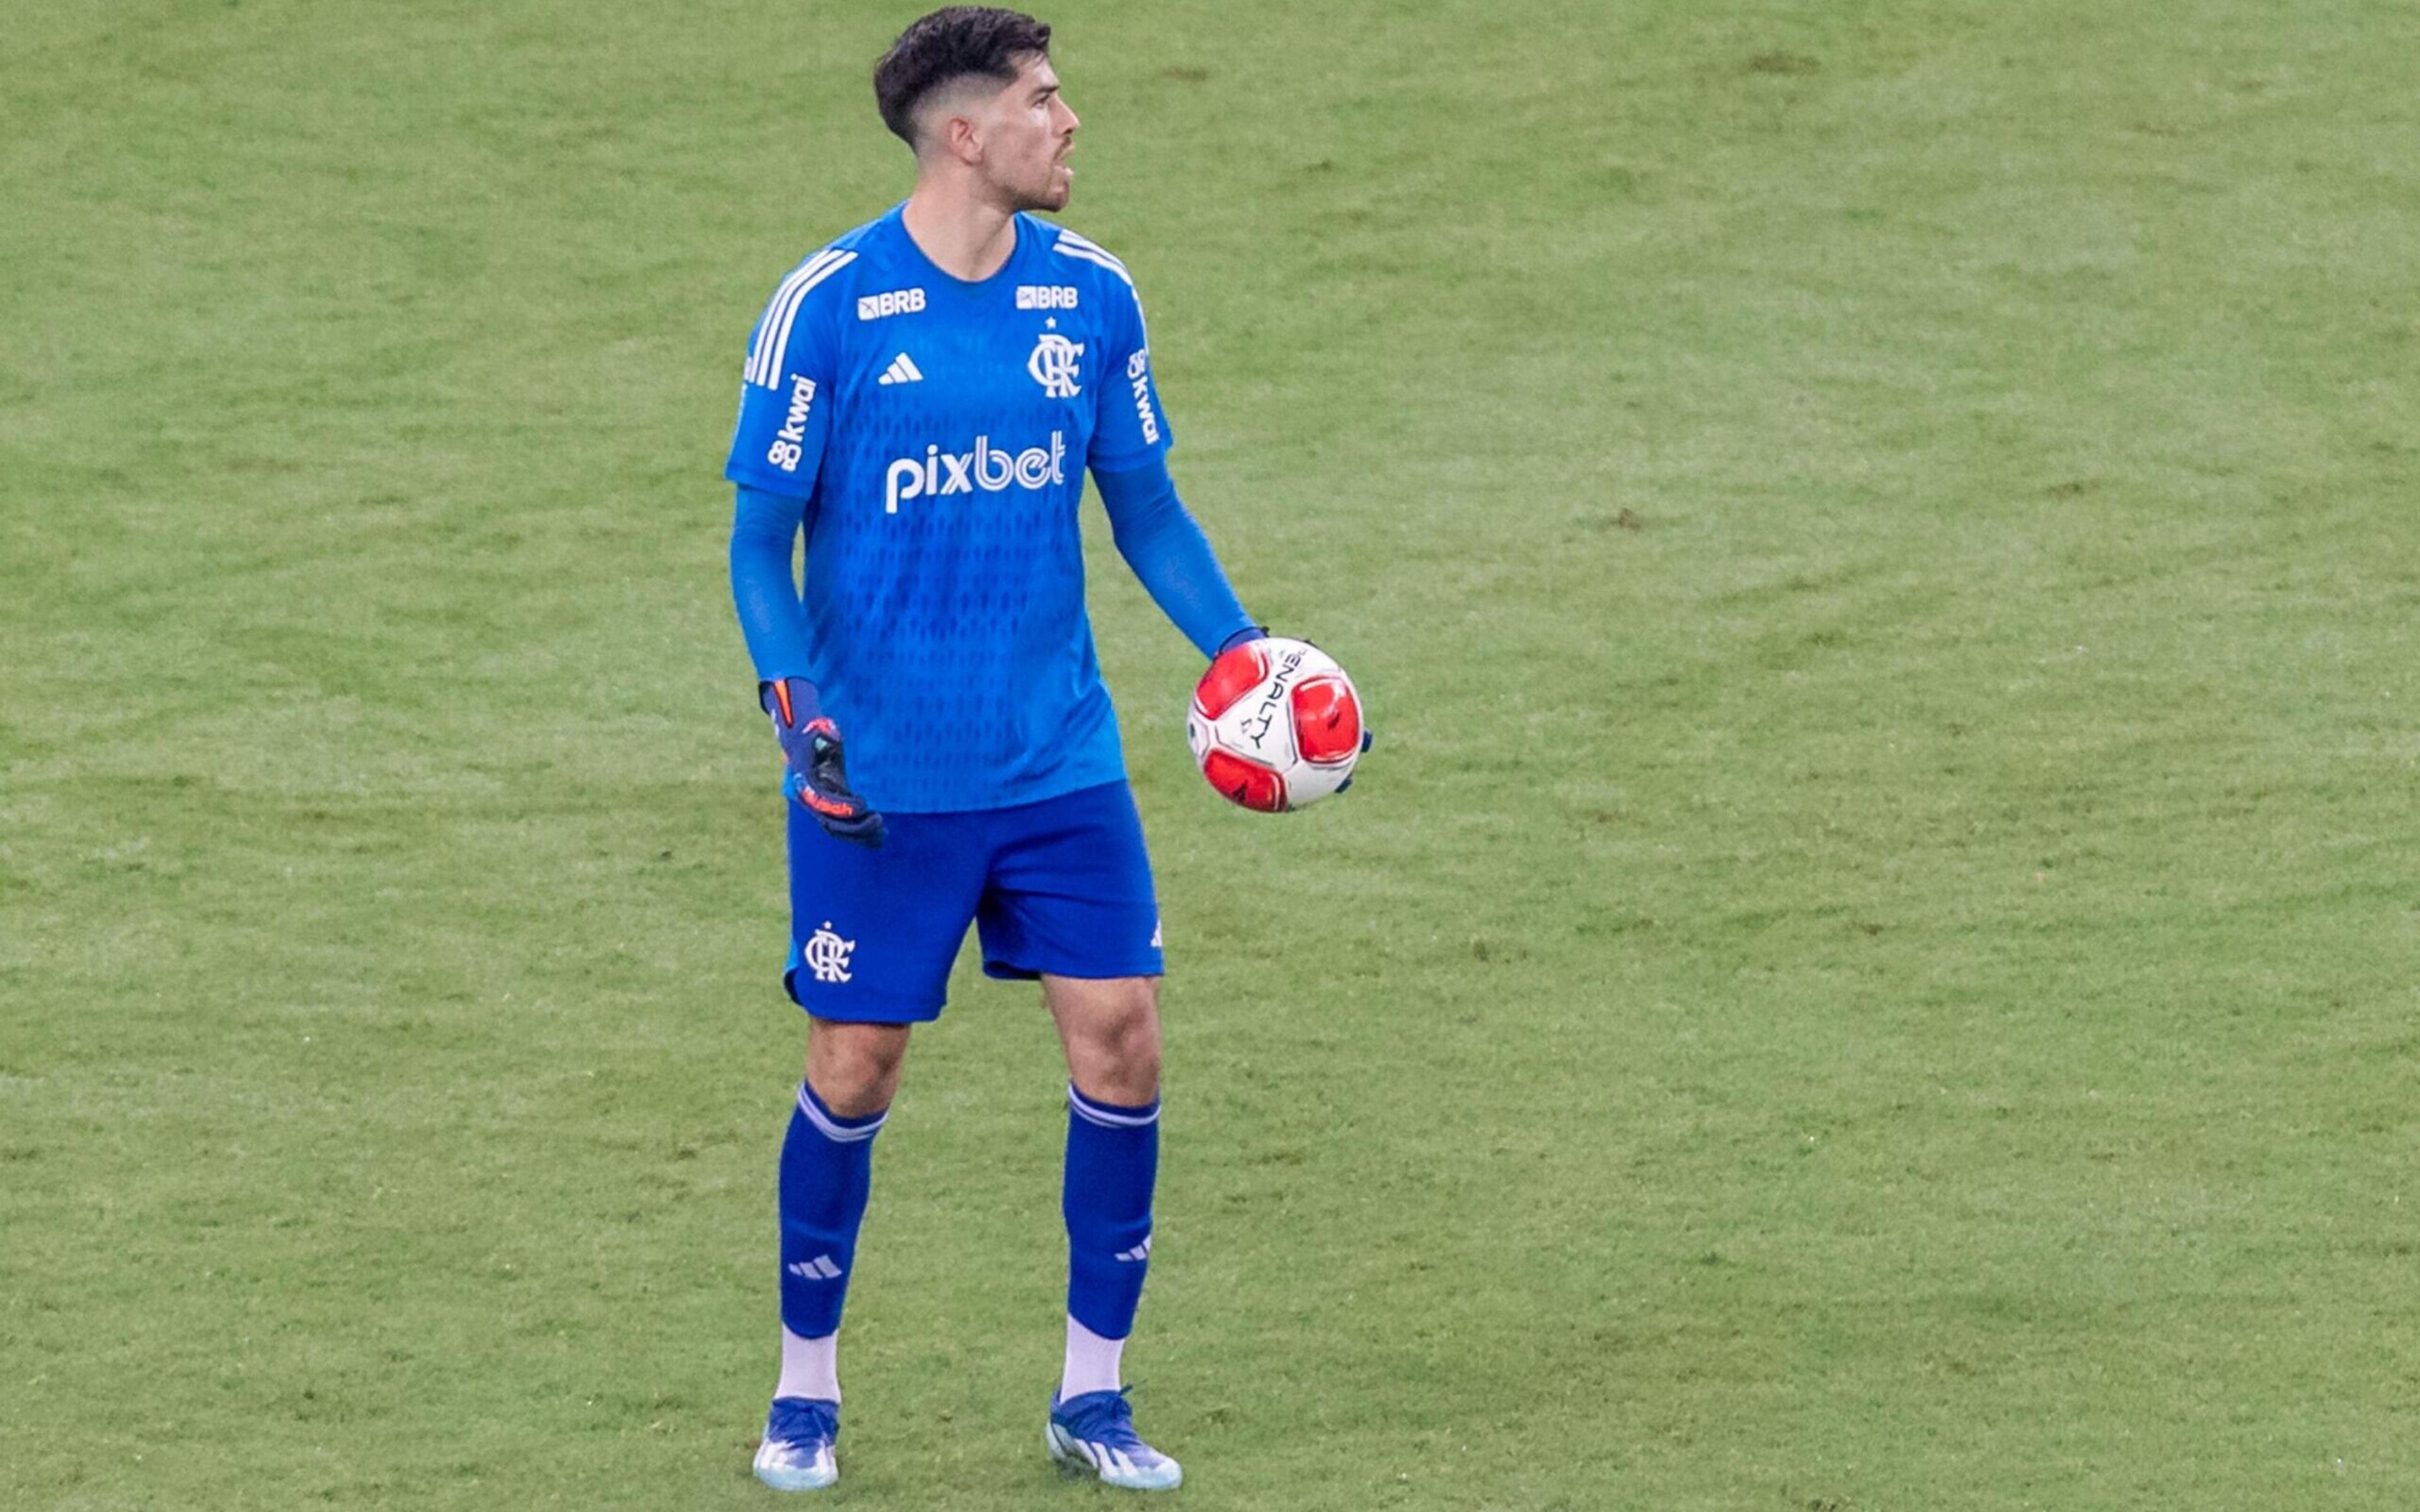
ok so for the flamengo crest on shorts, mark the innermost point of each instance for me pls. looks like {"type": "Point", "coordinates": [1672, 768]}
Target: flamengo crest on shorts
{"type": "Point", "coordinates": [827, 954]}
{"type": "Point", "coordinates": [1061, 887]}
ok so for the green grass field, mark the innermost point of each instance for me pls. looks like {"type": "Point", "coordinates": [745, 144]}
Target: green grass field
{"type": "Point", "coordinates": [1872, 967]}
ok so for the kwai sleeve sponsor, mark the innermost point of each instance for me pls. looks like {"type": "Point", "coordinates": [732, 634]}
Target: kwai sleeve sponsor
{"type": "Point", "coordinates": [784, 403]}
{"type": "Point", "coordinates": [1130, 429]}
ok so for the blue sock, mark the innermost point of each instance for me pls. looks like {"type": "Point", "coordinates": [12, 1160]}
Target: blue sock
{"type": "Point", "coordinates": [827, 1169]}
{"type": "Point", "coordinates": [1112, 1160]}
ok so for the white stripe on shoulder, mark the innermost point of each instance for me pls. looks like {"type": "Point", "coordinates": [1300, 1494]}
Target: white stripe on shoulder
{"type": "Point", "coordinates": [1094, 254]}
{"type": "Point", "coordinates": [773, 336]}
{"type": "Point", "coordinates": [1087, 243]}
{"type": "Point", "coordinates": [782, 343]}
{"type": "Point", "coordinates": [773, 307]}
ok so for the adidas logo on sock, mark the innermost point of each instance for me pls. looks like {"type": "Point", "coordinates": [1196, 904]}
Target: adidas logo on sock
{"type": "Point", "coordinates": [1140, 1252]}
{"type": "Point", "coordinates": [822, 1269]}
{"type": "Point", "coordinates": [902, 370]}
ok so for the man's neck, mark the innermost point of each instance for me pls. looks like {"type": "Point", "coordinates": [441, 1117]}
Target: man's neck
{"type": "Point", "coordinates": [966, 236]}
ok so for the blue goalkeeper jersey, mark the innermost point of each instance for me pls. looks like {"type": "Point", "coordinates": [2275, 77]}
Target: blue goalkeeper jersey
{"type": "Point", "coordinates": [936, 433]}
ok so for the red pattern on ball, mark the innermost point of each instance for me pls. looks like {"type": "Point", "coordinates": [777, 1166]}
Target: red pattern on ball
{"type": "Point", "coordinates": [1326, 720]}
{"type": "Point", "coordinates": [1230, 677]}
{"type": "Point", "coordinates": [1248, 784]}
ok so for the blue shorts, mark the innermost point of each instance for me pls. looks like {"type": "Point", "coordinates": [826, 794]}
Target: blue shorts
{"type": "Point", "coordinates": [1062, 887]}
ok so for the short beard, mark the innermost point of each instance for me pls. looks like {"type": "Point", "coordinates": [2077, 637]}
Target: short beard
{"type": "Point", "coordinates": [1048, 200]}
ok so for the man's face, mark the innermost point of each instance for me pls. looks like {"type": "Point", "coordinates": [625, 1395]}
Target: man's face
{"type": "Point", "coordinates": [1026, 132]}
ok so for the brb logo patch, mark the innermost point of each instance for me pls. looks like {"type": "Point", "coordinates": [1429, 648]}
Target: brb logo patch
{"type": "Point", "coordinates": [896, 302]}
{"type": "Point", "coordinates": [1045, 296]}
{"type": "Point", "coordinates": [827, 954]}
{"type": "Point", "coordinates": [1053, 364]}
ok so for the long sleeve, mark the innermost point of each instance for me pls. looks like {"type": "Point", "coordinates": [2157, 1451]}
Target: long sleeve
{"type": "Point", "coordinates": [1170, 555]}
{"type": "Point", "coordinates": [764, 528]}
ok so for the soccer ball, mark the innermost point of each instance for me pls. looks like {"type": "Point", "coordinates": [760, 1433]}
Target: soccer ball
{"type": "Point", "coordinates": [1275, 724]}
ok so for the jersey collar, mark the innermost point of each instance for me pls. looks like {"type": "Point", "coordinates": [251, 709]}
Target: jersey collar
{"type": "Point", "coordinates": [926, 267]}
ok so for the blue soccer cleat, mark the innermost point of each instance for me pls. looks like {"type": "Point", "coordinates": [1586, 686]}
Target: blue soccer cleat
{"type": "Point", "coordinates": [797, 1454]}
{"type": "Point", "coordinates": [1095, 1432]}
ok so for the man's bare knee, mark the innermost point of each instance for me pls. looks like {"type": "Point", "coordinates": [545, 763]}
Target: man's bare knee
{"type": "Point", "coordinates": [854, 1068]}
{"type": "Point", "coordinates": [1110, 1032]}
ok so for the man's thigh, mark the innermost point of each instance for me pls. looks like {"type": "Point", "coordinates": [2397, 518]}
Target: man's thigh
{"type": "Point", "coordinates": [1069, 891]}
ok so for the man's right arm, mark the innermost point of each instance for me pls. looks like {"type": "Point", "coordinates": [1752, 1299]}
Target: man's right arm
{"type": "Point", "coordinates": [776, 452]}
{"type": "Point", "coordinates": [764, 528]}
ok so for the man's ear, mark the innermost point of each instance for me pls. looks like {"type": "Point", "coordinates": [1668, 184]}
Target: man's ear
{"type": "Point", "coordinates": [960, 138]}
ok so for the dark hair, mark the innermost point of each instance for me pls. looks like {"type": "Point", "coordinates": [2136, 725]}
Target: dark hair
{"type": "Point", "coordinates": [950, 43]}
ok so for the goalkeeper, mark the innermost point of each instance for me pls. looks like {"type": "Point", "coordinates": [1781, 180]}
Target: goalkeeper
{"type": "Point", "coordinates": [922, 399]}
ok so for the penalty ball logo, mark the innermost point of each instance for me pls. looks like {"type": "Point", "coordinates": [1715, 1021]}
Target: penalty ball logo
{"type": "Point", "coordinates": [1263, 720]}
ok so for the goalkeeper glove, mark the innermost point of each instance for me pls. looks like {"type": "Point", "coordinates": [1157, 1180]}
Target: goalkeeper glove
{"type": "Point", "coordinates": [1369, 738]}
{"type": "Point", "coordinates": [816, 779]}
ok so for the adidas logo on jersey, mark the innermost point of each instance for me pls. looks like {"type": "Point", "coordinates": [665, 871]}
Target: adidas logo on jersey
{"type": "Point", "coordinates": [985, 468]}
{"type": "Point", "coordinates": [902, 370]}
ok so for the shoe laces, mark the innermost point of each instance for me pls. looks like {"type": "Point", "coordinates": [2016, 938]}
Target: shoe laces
{"type": "Point", "coordinates": [1104, 1417]}
{"type": "Point", "coordinates": [801, 1421]}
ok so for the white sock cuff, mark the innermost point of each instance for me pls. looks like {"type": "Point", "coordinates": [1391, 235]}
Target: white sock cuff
{"type": "Point", "coordinates": [839, 1134]}
{"type": "Point", "coordinates": [1110, 1117]}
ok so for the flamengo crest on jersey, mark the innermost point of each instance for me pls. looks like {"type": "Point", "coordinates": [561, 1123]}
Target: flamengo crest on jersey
{"type": "Point", "coordinates": [1053, 364]}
